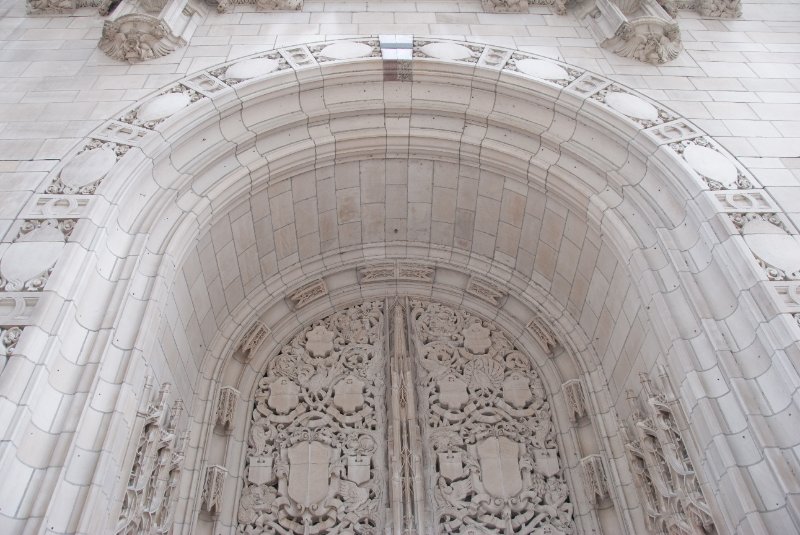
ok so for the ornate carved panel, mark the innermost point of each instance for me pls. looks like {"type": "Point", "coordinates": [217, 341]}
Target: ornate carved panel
{"type": "Point", "coordinates": [152, 493]}
{"type": "Point", "coordinates": [488, 426]}
{"type": "Point", "coordinates": [316, 455]}
{"type": "Point", "coordinates": [663, 472]}
{"type": "Point", "coordinates": [457, 439]}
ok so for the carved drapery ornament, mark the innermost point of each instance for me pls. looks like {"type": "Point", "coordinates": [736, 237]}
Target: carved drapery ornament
{"type": "Point", "coordinates": [575, 399]}
{"type": "Point", "coordinates": [663, 472]}
{"type": "Point", "coordinates": [152, 492]}
{"type": "Point", "coordinates": [594, 478]}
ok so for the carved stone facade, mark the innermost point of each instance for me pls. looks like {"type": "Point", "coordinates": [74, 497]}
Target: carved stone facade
{"type": "Point", "coordinates": [663, 472]}
{"type": "Point", "coordinates": [467, 442]}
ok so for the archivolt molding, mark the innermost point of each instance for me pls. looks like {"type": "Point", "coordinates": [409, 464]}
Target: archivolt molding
{"type": "Point", "coordinates": [159, 174]}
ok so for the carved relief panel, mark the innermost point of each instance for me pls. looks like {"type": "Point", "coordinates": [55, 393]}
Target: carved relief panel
{"type": "Point", "coordinates": [493, 463]}
{"type": "Point", "coordinates": [316, 456]}
{"type": "Point", "coordinates": [410, 418]}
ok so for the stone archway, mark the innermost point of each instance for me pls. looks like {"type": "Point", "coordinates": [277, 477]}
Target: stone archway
{"type": "Point", "coordinates": [580, 209]}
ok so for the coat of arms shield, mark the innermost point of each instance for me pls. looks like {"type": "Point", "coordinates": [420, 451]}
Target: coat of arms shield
{"type": "Point", "coordinates": [309, 477]}
{"type": "Point", "coordinates": [500, 472]}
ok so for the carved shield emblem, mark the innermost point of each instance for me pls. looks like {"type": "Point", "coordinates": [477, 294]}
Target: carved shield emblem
{"type": "Point", "coordinates": [283, 396]}
{"type": "Point", "coordinates": [309, 472]}
{"type": "Point", "coordinates": [500, 472]}
{"type": "Point", "coordinates": [348, 394]}
{"type": "Point", "coordinates": [358, 468]}
{"type": "Point", "coordinates": [319, 341]}
{"type": "Point", "coordinates": [517, 390]}
{"type": "Point", "coordinates": [260, 471]}
{"type": "Point", "coordinates": [546, 462]}
{"type": "Point", "coordinates": [452, 392]}
{"type": "Point", "coordinates": [477, 339]}
{"type": "Point", "coordinates": [450, 465]}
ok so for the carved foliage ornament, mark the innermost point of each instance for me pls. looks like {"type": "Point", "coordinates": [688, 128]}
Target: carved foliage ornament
{"type": "Point", "coordinates": [486, 421]}
{"type": "Point", "coordinates": [9, 336]}
{"type": "Point", "coordinates": [662, 470]}
{"type": "Point", "coordinates": [138, 37]}
{"type": "Point", "coordinates": [152, 491]}
{"type": "Point", "coordinates": [315, 455]}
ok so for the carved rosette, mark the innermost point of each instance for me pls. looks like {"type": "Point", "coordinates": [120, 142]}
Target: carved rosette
{"type": "Point", "coordinates": [487, 426]}
{"type": "Point", "coordinates": [138, 37]}
{"type": "Point", "coordinates": [316, 456]}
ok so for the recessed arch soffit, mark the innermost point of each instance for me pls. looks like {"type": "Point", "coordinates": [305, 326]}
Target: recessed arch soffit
{"type": "Point", "coordinates": [175, 161]}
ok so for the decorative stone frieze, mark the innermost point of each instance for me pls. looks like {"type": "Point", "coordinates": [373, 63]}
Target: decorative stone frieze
{"type": "Point", "coordinates": [253, 338]}
{"type": "Point", "coordinates": [547, 70]}
{"type": "Point", "coordinates": [60, 7]}
{"type": "Point", "coordinates": [308, 293]}
{"type": "Point", "coordinates": [632, 106]}
{"type": "Point", "coordinates": [86, 170]}
{"type": "Point", "coordinates": [543, 334]}
{"type": "Point", "coordinates": [399, 271]}
{"type": "Point", "coordinates": [505, 6]}
{"type": "Point", "coordinates": [27, 263]}
{"type": "Point", "coordinates": [136, 37]}
{"type": "Point", "coordinates": [559, 6]}
{"type": "Point", "coordinates": [707, 8]}
{"type": "Point", "coordinates": [153, 485]}
{"type": "Point", "coordinates": [594, 478]}
{"type": "Point", "coordinates": [225, 6]}
{"type": "Point", "coordinates": [485, 290]}
{"type": "Point", "coordinates": [226, 406]}
{"type": "Point", "coordinates": [213, 488]}
{"type": "Point", "coordinates": [712, 166]}
{"type": "Point", "coordinates": [638, 29]}
{"type": "Point", "coordinates": [575, 399]}
{"type": "Point", "coordinates": [663, 472]}
{"type": "Point", "coordinates": [161, 107]}
{"type": "Point", "coordinates": [775, 247]}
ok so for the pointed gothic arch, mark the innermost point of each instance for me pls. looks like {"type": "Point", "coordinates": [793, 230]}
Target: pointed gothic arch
{"type": "Point", "coordinates": [662, 210]}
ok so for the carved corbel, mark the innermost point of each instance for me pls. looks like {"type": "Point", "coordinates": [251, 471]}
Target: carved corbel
{"type": "Point", "coordinates": [594, 478]}
{"type": "Point", "coordinates": [136, 37]}
{"type": "Point", "coordinates": [543, 334]}
{"type": "Point", "coordinates": [213, 488]}
{"type": "Point", "coordinates": [226, 406]}
{"type": "Point", "coordinates": [638, 29]}
{"type": "Point", "coordinates": [253, 338]}
{"type": "Point", "coordinates": [576, 399]}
